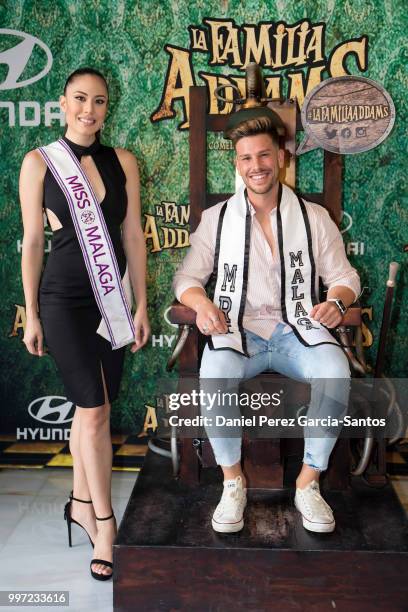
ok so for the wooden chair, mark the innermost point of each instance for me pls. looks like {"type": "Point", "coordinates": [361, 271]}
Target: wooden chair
{"type": "Point", "coordinates": [263, 460]}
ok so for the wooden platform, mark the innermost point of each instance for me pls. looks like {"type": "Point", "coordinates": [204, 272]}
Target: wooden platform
{"type": "Point", "coordinates": [167, 557]}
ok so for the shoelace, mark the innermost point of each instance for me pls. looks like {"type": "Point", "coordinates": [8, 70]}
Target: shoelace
{"type": "Point", "coordinates": [319, 501]}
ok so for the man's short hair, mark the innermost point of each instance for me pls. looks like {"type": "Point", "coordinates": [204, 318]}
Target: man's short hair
{"type": "Point", "coordinates": [253, 127]}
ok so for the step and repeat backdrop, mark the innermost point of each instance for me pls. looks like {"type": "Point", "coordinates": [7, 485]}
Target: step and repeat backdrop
{"type": "Point", "coordinates": [151, 52]}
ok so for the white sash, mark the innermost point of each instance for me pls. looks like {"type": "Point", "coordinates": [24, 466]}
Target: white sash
{"type": "Point", "coordinates": [94, 239]}
{"type": "Point", "coordinates": [231, 263]}
{"type": "Point", "coordinates": [299, 282]}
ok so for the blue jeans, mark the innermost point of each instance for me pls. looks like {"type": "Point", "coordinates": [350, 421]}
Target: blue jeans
{"type": "Point", "coordinates": [324, 367]}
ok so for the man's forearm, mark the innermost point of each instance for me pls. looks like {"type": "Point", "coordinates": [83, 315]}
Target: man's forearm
{"type": "Point", "coordinates": [345, 294]}
{"type": "Point", "coordinates": [194, 297]}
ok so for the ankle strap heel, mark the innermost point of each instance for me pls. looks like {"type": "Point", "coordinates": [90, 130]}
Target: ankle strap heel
{"type": "Point", "coordinates": [105, 518]}
{"type": "Point", "coordinates": [83, 501]}
{"type": "Point", "coordinates": [70, 520]}
{"type": "Point", "coordinates": [109, 564]}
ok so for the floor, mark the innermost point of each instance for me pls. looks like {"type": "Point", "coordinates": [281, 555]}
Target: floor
{"type": "Point", "coordinates": [34, 551]}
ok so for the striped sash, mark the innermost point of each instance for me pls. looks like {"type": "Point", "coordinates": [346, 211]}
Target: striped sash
{"type": "Point", "coordinates": [94, 240]}
{"type": "Point", "coordinates": [299, 281]}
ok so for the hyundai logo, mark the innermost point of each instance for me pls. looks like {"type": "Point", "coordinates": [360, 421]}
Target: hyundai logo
{"type": "Point", "coordinates": [52, 409]}
{"type": "Point", "coordinates": [166, 317]}
{"type": "Point", "coordinates": [347, 221]}
{"type": "Point", "coordinates": [18, 58]}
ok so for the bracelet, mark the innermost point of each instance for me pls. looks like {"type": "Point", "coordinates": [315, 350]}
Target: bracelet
{"type": "Point", "coordinates": [339, 303]}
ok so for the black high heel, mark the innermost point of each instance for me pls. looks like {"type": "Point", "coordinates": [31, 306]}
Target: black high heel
{"type": "Point", "coordinates": [69, 519]}
{"type": "Point", "coordinates": [107, 563]}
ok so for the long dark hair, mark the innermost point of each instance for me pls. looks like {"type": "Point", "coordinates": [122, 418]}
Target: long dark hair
{"type": "Point", "coordinates": [81, 72]}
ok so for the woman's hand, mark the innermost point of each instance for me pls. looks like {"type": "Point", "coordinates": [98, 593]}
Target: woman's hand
{"type": "Point", "coordinates": [33, 337]}
{"type": "Point", "coordinates": [142, 329]}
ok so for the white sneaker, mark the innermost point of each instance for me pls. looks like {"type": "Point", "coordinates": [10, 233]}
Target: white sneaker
{"type": "Point", "coordinates": [316, 513]}
{"type": "Point", "coordinates": [228, 515]}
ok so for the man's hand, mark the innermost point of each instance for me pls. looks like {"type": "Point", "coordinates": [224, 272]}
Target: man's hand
{"type": "Point", "coordinates": [327, 314]}
{"type": "Point", "coordinates": [210, 319]}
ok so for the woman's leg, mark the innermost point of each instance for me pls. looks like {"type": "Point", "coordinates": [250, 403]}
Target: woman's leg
{"type": "Point", "coordinates": [83, 513]}
{"type": "Point", "coordinates": [96, 454]}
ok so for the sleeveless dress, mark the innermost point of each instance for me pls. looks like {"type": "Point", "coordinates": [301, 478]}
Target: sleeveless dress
{"type": "Point", "coordinates": [68, 310]}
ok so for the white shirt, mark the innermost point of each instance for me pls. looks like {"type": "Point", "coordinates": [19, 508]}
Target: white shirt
{"type": "Point", "coordinates": [263, 300]}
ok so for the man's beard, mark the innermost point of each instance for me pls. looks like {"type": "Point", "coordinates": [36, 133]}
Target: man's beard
{"type": "Point", "coordinates": [263, 190]}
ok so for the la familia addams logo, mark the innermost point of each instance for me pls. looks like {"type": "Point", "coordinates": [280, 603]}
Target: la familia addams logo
{"type": "Point", "coordinates": [296, 51]}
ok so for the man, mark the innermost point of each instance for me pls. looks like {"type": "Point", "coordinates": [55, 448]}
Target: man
{"type": "Point", "coordinates": [266, 249]}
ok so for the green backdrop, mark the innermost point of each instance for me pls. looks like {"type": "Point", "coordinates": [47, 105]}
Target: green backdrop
{"type": "Point", "coordinates": [126, 40]}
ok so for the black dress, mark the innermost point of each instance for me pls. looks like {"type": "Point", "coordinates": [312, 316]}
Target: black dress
{"type": "Point", "coordinates": [68, 310]}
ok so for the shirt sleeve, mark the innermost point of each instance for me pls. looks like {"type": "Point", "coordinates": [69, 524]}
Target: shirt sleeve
{"type": "Point", "coordinates": [197, 265]}
{"type": "Point", "coordinates": [333, 266]}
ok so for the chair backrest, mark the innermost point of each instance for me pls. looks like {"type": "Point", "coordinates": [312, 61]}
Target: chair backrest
{"type": "Point", "coordinates": [201, 122]}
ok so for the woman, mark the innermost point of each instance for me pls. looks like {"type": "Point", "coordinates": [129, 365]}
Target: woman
{"type": "Point", "coordinates": [95, 219]}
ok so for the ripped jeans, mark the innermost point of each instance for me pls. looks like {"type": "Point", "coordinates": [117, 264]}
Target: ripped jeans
{"type": "Point", "coordinates": [324, 367]}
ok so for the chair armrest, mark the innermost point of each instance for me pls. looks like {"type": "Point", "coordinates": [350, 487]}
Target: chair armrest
{"type": "Point", "coordinates": [183, 315]}
{"type": "Point", "coordinates": [352, 318]}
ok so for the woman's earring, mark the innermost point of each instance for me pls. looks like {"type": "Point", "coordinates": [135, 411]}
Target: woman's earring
{"type": "Point", "coordinates": [102, 126]}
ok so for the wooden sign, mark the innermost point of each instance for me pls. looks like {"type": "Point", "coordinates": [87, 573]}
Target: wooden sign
{"type": "Point", "coordinates": [348, 114]}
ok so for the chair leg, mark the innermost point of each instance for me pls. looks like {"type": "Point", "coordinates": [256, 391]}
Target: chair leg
{"type": "Point", "coordinates": [338, 472]}
{"type": "Point", "coordinates": [262, 463]}
{"type": "Point", "coordinates": [189, 463]}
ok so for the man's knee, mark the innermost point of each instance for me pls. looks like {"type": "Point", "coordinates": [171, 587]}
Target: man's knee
{"type": "Point", "coordinates": [330, 363]}
{"type": "Point", "coordinates": [339, 366]}
{"type": "Point", "coordinates": [221, 364]}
